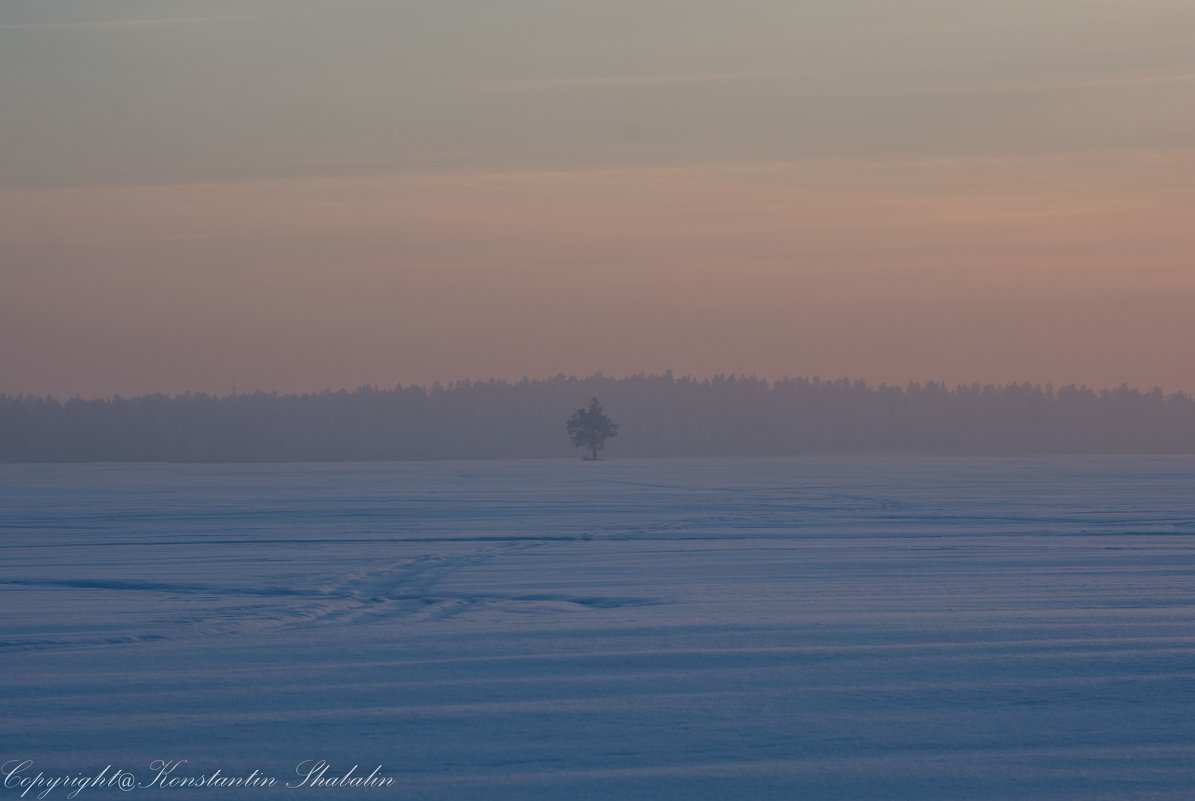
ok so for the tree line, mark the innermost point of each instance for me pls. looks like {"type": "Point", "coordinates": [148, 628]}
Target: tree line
{"type": "Point", "coordinates": [659, 415]}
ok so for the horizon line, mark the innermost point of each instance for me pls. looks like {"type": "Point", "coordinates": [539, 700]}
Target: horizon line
{"type": "Point", "coordinates": [1048, 387]}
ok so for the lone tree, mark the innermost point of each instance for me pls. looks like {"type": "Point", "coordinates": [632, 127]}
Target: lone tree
{"type": "Point", "coordinates": [589, 428]}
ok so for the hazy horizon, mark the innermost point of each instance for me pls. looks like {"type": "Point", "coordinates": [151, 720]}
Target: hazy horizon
{"type": "Point", "coordinates": [235, 388]}
{"type": "Point", "coordinates": [302, 194]}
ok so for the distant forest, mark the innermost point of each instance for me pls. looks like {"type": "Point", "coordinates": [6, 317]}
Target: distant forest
{"type": "Point", "coordinates": [659, 415]}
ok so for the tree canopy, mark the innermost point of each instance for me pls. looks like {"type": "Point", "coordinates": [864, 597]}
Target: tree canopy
{"type": "Point", "coordinates": [590, 428]}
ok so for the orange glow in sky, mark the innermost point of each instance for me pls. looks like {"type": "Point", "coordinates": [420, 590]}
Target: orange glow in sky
{"type": "Point", "coordinates": [713, 199]}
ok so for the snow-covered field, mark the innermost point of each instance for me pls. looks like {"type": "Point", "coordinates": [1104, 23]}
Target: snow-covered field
{"type": "Point", "coordinates": [772, 629]}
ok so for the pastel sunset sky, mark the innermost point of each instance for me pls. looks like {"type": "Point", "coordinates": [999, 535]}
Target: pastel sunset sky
{"type": "Point", "coordinates": [301, 194]}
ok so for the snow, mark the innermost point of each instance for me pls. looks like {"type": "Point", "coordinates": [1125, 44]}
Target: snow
{"type": "Point", "coordinates": [822, 629]}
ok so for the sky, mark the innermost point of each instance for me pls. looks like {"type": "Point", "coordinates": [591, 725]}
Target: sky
{"type": "Point", "coordinates": [295, 195]}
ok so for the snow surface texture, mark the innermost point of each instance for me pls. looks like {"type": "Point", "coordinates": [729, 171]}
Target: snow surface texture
{"type": "Point", "coordinates": [787, 629]}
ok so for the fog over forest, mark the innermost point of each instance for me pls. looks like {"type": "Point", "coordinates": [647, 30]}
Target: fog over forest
{"type": "Point", "coordinates": [659, 416]}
